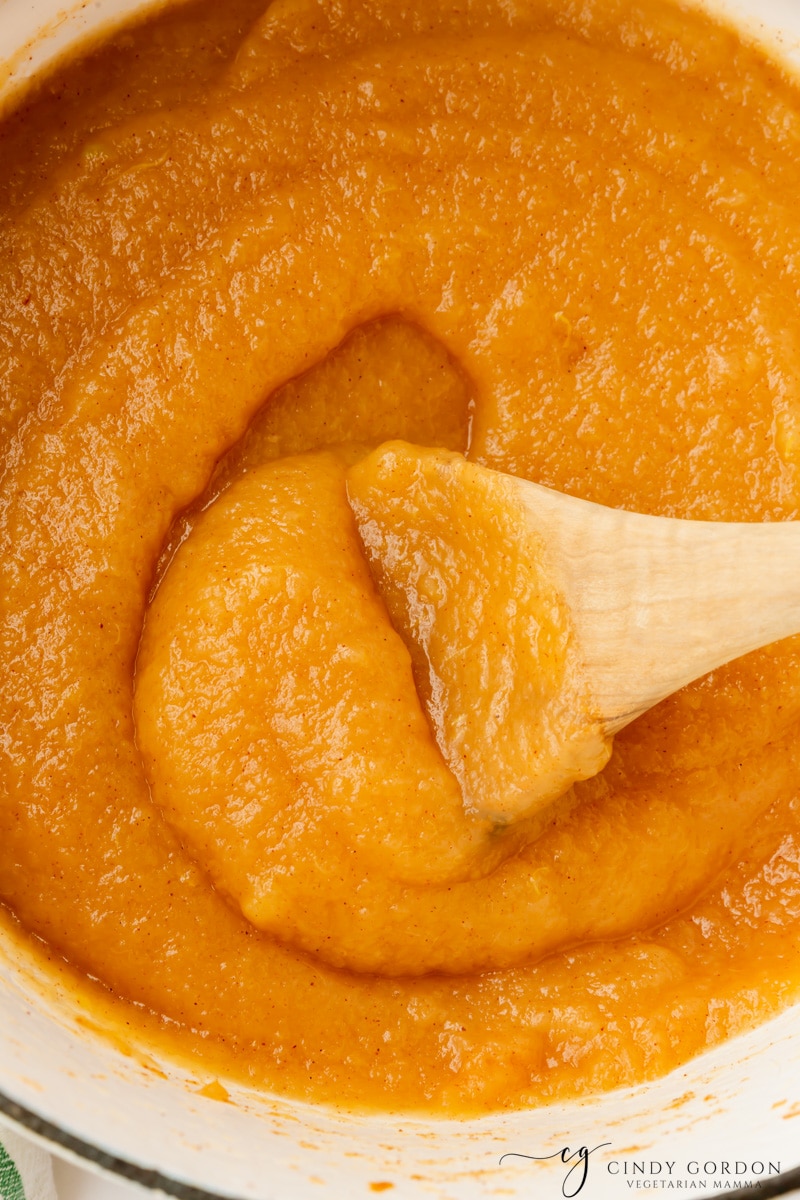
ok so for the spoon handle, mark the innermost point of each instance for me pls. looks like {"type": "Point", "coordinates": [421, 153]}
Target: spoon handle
{"type": "Point", "coordinates": [660, 601]}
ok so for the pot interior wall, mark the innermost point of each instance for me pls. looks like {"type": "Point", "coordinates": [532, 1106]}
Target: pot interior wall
{"type": "Point", "coordinates": [84, 1090]}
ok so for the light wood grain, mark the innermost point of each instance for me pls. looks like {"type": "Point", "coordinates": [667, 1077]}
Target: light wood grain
{"type": "Point", "coordinates": [658, 602]}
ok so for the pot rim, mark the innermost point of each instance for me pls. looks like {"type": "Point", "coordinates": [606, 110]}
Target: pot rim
{"type": "Point", "coordinates": [146, 1177]}
{"type": "Point", "coordinates": [56, 1137]}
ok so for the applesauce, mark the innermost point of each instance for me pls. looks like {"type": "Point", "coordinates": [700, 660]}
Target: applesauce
{"type": "Point", "coordinates": [560, 241]}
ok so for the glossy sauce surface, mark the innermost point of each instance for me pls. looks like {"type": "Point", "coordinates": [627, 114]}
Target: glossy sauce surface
{"type": "Point", "coordinates": [562, 240]}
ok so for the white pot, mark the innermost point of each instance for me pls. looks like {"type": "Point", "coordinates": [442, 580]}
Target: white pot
{"type": "Point", "coordinates": [738, 1105]}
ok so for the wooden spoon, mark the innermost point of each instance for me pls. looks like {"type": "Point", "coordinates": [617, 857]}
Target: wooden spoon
{"type": "Point", "coordinates": [659, 601]}
{"type": "Point", "coordinates": [651, 603]}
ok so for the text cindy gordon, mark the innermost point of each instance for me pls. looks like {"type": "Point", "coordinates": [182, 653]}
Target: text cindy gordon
{"type": "Point", "coordinates": [719, 1174]}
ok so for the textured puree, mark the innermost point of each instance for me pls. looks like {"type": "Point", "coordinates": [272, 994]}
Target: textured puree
{"type": "Point", "coordinates": [496, 659]}
{"type": "Point", "coordinates": [562, 239]}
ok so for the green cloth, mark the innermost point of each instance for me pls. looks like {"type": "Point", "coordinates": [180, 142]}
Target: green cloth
{"type": "Point", "coordinates": [25, 1169]}
{"type": "Point", "coordinates": [10, 1179]}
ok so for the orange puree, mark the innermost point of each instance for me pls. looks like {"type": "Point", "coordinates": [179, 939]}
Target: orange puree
{"type": "Point", "coordinates": [251, 698]}
{"type": "Point", "coordinates": [497, 661]}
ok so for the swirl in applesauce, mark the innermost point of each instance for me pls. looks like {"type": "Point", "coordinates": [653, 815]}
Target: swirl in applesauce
{"type": "Point", "coordinates": [560, 239]}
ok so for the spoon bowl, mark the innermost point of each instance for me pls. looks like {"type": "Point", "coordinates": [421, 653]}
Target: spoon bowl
{"type": "Point", "coordinates": [540, 624]}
